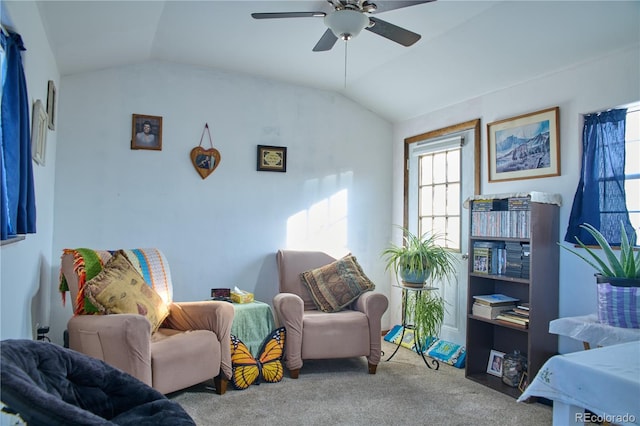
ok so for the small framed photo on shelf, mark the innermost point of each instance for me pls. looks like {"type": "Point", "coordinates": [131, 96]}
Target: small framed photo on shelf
{"type": "Point", "coordinates": [146, 132]}
{"type": "Point", "coordinates": [524, 382]}
{"type": "Point", "coordinates": [494, 366]}
{"type": "Point", "coordinates": [272, 158]}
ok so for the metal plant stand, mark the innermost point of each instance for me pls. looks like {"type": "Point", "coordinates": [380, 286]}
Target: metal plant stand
{"type": "Point", "coordinates": [406, 324]}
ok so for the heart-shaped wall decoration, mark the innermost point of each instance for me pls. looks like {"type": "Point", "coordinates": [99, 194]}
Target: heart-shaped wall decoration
{"type": "Point", "coordinates": [205, 161]}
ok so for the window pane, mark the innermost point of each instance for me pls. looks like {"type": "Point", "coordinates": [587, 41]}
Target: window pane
{"type": "Point", "coordinates": [425, 169]}
{"type": "Point", "coordinates": [426, 201]}
{"type": "Point", "coordinates": [439, 200]}
{"type": "Point", "coordinates": [453, 166]}
{"type": "Point", "coordinates": [632, 157]}
{"type": "Point", "coordinates": [632, 190]}
{"type": "Point", "coordinates": [453, 199]}
{"type": "Point", "coordinates": [632, 127]}
{"type": "Point", "coordinates": [426, 225]}
{"type": "Point", "coordinates": [440, 167]}
{"type": "Point", "coordinates": [440, 228]}
{"type": "Point", "coordinates": [453, 233]}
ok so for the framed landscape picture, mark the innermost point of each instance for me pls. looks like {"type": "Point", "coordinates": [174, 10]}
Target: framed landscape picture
{"type": "Point", "coordinates": [524, 147]}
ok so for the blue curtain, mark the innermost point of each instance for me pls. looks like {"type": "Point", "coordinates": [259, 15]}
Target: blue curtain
{"type": "Point", "coordinates": [17, 196]}
{"type": "Point", "coordinates": [600, 199]}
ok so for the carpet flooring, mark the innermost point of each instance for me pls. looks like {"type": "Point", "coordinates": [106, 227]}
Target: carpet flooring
{"type": "Point", "coordinates": [340, 392]}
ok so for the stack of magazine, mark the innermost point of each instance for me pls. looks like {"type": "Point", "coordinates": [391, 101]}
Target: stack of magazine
{"type": "Point", "coordinates": [490, 306]}
{"type": "Point", "coordinates": [518, 316]}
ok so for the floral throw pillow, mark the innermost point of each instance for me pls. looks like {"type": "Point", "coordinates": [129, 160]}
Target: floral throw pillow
{"type": "Point", "coordinates": [336, 285]}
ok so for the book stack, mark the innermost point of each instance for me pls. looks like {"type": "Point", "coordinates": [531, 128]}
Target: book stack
{"type": "Point", "coordinates": [526, 255]}
{"type": "Point", "coordinates": [513, 267]}
{"type": "Point", "coordinates": [492, 305]}
{"type": "Point", "coordinates": [518, 316]}
{"type": "Point", "coordinates": [489, 257]}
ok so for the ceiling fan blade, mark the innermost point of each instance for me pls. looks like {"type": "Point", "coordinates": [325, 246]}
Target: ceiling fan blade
{"type": "Point", "coordinates": [393, 32]}
{"type": "Point", "coordinates": [326, 42]}
{"type": "Point", "coordinates": [275, 15]}
{"type": "Point", "coordinates": [384, 6]}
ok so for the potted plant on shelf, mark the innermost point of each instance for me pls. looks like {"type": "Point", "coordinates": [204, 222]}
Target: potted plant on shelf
{"type": "Point", "coordinates": [617, 277]}
{"type": "Point", "coordinates": [419, 259]}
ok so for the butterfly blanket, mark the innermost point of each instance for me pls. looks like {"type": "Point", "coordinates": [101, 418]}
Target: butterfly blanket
{"type": "Point", "coordinates": [247, 370]}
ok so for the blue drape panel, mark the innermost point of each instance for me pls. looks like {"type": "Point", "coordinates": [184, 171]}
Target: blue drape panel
{"type": "Point", "coordinates": [600, 199]}
{"type": "Point", "coordinates": [17, 193]}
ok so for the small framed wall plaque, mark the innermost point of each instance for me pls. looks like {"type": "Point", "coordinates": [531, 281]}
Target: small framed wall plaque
{"type": "Point", "coordinates": [272, 158]}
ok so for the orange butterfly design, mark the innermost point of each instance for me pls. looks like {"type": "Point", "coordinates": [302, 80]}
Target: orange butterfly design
{"type": "Point", "coordinates": [247, 370]}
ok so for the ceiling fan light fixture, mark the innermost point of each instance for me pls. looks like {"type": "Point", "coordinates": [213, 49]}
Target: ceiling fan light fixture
{"type": "Point", "coordinates": [346, 24]}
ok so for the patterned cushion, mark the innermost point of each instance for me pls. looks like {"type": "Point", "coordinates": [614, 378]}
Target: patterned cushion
{"type": "Point", "coordinates": [337, 284]}
{"type": "Point", "coordinates": [120, 289]}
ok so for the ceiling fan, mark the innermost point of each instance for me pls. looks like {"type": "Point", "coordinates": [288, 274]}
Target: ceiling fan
{"type": "Point", "coordinates": [349, 17]}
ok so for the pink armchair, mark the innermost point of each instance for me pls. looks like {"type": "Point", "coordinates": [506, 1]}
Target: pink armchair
{"type": "Point", "coordinates": [191, 346]}
{"type": "Point", "coordinates": [314, 334]}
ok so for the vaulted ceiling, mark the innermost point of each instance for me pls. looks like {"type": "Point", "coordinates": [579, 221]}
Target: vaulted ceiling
{"type": "Point", "coordinates": [468, 48]}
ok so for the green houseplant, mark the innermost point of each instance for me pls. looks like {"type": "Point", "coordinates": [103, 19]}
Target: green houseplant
{"type": "Point", "coordinates": [417, 260]}
{"type": "Point", "coordinates": [623, 268]}
{"type": "Point", "coordinates": [617, 278]}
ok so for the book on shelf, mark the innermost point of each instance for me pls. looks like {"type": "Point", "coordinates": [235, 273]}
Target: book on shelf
{"type": "Point", "coordinates": [496, 299]}
{"type": "Point", "coordinates": [512, 324]}
{"type": "Point", "coordinates": [519, 203]}
{"type": "Point", "coordinates": [489, 205]}
{"type": "Point", "coordinates": [521, 311]}
{"type": "Point", "coordinates": [523, 306]}
{"type": "Point", "coordinates": [515, 315]}
{"type": "Point", "coordinates": [488, 311]}
{"type": "Point", "coordinates": [488, 257]}
{"type": "Point", "coordinates": [513, 319]}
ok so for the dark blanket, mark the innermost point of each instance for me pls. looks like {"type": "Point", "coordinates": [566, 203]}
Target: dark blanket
{"type": "Point", "coordinates": [50, 385]}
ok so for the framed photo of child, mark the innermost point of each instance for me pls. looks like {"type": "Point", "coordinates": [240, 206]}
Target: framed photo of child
{"type": "Point", "coordinates": [494, 366]}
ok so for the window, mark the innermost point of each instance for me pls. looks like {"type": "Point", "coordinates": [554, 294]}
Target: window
{"type": "Point", "coordinates": [608, 192]}
{"type": "Point", "coordinates": [439, 196]}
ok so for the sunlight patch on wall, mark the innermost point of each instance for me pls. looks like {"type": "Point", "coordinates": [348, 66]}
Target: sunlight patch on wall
{"type": "Point", "coordinates": [324, 225]}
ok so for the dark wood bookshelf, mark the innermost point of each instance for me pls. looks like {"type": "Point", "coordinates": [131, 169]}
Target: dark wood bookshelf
{"type": "Point", "coordinates": [540, 290]}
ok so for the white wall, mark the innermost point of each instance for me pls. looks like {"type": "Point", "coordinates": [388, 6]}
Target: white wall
{"type": "Point", "coordinates": [222, 231]}
{"type": "Point", "coordinates": [609, 82]}
{"type": "Point", "coordinates": [25, 277]}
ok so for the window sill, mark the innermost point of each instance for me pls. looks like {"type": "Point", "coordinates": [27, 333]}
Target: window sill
{"type": "Point", "coordinates": [12, 240]}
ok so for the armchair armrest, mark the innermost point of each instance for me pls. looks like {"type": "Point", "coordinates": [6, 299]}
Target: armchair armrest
{"type": "Point", "coordinates": [121, 340]}
{"type": "Point", "coordinates": [205, 315]}
{"type": "Point", "coordinates": [289, 309]}
{"type": "Point", "coordinates": [373, 305]}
